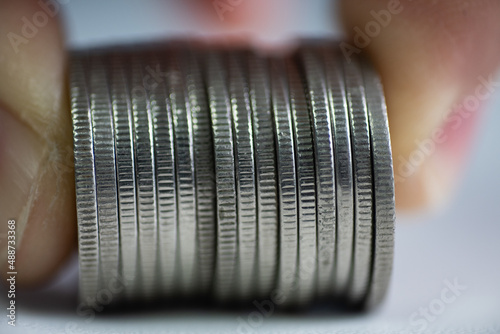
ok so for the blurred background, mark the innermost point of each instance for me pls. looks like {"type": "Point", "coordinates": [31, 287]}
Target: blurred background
{"type": "Point", "coordinates": [456, 245]}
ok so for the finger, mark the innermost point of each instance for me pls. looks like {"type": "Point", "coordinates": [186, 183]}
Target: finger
{"type": "Point", "coordinates": [36, 182]}
{"type": "Point", "coordinates": [434, 58]}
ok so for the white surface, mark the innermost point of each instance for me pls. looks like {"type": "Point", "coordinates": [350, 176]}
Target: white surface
{"type": "Point", "coordinates": [459, 242]}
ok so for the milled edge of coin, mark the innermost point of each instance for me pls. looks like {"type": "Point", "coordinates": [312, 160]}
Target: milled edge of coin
{"type": "Point", "coordinates": [325, 167]}
{"type": "Point", "coordinates": [306, 187]}
{"type": "Point", "coordinates": [163, 133]}
{"type": "Point", "coordinates": [125, 169]}
{"type": "Point", "coordinates": [265, 160]}
{"type": "Point", "coordinates": [204, 160]}
{"type": "Point", "coordinates": [222, 134]}
{"type": "Point", "coordinates": [186, 174]}
{"type": "Point", "coordinates": [145, 182]}
{"type": "Point", "coordinates": [287, 183]}
{"type": "Point", "coordinates": [85, 184]}
{"type": "Point", "coordinates": [105, 169]}
{"type": "Point", "coordinates": [384, 201]}
{"type": "Point", "coordinates": [245, 177]}
{"type": "Point", "coordinates": [363, 182]}
{"type": "Point", "coordinates": [344, 187]}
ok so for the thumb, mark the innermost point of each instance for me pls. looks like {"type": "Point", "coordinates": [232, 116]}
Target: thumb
{"type": "Point", "coordinates": [36, 178]}
{"type": "Point", "coordinates": [435, 59]}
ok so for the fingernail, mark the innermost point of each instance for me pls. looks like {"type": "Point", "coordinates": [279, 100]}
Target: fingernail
{"type": "Point", "coordinates": [451, 155]}
{"type": "Point", "coordinates": [20, 155]}
{"type": "Point", "coordinates": [435, 167]}
{"type": "Point", "coordinates": [458, 131]}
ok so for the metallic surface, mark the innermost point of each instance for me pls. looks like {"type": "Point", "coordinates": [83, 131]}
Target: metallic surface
{"type": "Point", "coordinates": [325, 167]}
{"type": "Point", "coordinates": [343, 169]}
{"type": "Point", "coordinates": [222, 172]}
{"type": "Point", "coordinates": [104, 163]}
{"type": "Point", "coordinates": [125, 169]}
{"type": "Point", "coordinates": [287, 182]}
{"type": "Point", "coordinates": [163, 131]}
{"type": "Point", "coordinates": [185, 172]}
{"type": "Point", "coordinates": [204, 165]}
{"type": "Point", "coordinates": [245, 176]}
{"type": "Point", "coordinates": [222, 132]}
{"type": "Point", "coordinates": [266, 178]}
{"type": "Point", "coordinates": [85, 183]}
{"type": "Point", "coordinates": [362, 166]}
{"type": "Point", "coordinates": [383, 185]}
{"type": "Point", "coordinates": [306, 187]}
{"type": "Point", "coordinates": [145, 179]}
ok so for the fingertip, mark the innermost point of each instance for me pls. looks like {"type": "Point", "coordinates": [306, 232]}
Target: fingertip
{"type": "Point", "coordinates": [34, 62]}
{"type": "Point", "coordinates": [36, 165]}
{"type": "Point", "coordinates": [430, 55]}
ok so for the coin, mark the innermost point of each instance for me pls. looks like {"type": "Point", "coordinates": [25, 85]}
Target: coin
{"type": "Point", "coordinates": [266, 178]}
{"type": "Point", "coordinates": [325, 168]}
{"type": "Point", "coordinates": [336, 91]}
{"type": "Point", "coordinates": [163, 132]}
{"type": "Point", "coordinates": [85, 183]}
{"type": "Point", "coordinates": [245, 176]}
{"type": "Point", "coordinates": [287, 183]}
{"type": "Point", "coordinates": [185, 170]}
{"type": "Point", "coordinates": [125, 169]}
{"type": "Point", "coordinates": [222, 133]}
{"type": "Point", "coordinates": [363, 181]}
{"type": "Point", "coordinates": [383, 185]}
{"type": "Point", "coordinates": [306, 189]}
{"type": "Point", "coordinates": [104, 164]}
{"type": "Point", "coordinates": [204, 164]}
{"type": "Point", "coordinates": [145, 179]}
{"type": "Point", "coordinates": [232, 174]}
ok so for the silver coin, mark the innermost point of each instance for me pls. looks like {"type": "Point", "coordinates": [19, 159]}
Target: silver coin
{"type": "Point", "coordinates": [125, 169]}
{"type": "Point", "coordinates": [306, 189]}
{"type": "Point", "coordinates": [265, 160]}
{"type": "Point", "coordinates": [222, 133]}
{"type": "Point", "coordinates": [363, 181]}
{"type": "Point", "coordinates": [85, 183]}
{"type": "Point", "coordinates": [163, 131]}
{"type": "Point", "coordinates": [343, 170]}
{"type": "Point", "coordinates": [104, 162]}
{"type": "Point", "coordinates": [325, 168]}
{"type": "Point", "coordinates": [145, 179]}
{"type": "Point", "coordinates": [383, 186]}
{"type": "Point", "coordinates": [287, 183]}
{"type": "Point", "coordinates": [204, 163]}
{"type": "Point", "coordinates": [245, 177]}
{"type": "Point", "coordinates": [185, 170]}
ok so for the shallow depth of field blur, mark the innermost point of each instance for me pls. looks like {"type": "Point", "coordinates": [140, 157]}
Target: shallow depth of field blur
{"type": "Point", "coordinates": [455, 242]}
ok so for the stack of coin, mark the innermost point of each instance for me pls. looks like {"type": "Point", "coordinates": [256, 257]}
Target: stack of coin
{"type": "Point", "coordinates": [231, 174]}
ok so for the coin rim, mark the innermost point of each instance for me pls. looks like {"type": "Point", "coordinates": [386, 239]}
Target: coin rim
{"type": "Point", "coordinates": [384, 199]}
